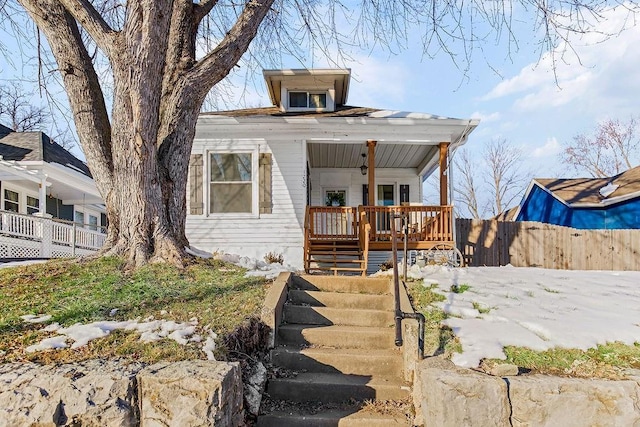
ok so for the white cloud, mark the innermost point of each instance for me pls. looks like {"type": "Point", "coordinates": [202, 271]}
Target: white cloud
{"type": "Point", "coordinates": [601, 75]}
{"type": "Point", "coordinates": [550, 148]}
{"type": "Point", "coordinates": [485, 118]}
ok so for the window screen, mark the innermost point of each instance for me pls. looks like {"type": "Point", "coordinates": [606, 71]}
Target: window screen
{"type": "Point", "coordinates": [298, 99]}
{"type": "Point", "coordinates": [230, 185]}
{"type": "Point", "coordinates": [11, 201]}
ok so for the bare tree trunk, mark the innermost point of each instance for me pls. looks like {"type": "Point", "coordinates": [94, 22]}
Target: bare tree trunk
{"type": "Point", "coordinates": [139, 157]}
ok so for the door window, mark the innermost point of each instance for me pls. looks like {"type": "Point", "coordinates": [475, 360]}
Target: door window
{"type": "Point", "coordinates": [385, 195]}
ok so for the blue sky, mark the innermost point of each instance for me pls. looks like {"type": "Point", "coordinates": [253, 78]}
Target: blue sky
{"type": "Point", "coordinates": [517, 94]}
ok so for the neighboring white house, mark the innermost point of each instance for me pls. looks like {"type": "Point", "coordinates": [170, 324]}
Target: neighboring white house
{"type": "Point", "coordinates": [254, 173]}
{"type": "Point", "coordinates": [40, 179]}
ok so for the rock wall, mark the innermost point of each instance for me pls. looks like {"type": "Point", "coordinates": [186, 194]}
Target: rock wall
{"type": "Point", "coordinates": [109, 393]}
{"type": "Point", "coordinates": [450, 396]}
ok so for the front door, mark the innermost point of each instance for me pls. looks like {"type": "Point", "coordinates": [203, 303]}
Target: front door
{"type": "Point", "coordinates": [384, 197]}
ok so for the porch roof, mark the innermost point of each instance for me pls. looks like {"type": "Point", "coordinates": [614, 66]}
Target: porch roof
{"type": "Point", "coordinates": [337, 139]}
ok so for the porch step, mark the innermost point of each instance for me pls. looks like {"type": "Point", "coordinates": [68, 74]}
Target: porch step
{"type": "Point", "coordinates": [336, 336]}
{"type": "Point", "coordinates": [341, 300]}
{"type": "Point", "coordinates": [331, 418]}
{"type": "Point", "coordinates": [346, 361]}
{"type": "Point", "coordinates": [316, 260]}
{"type": "Point", "coordinates": [337, 316]}
{"type": "Point", "coordinates": [355, 252]}
{"type": "Point", "coordinates": [354, 285]}
{"type": "Point", "coordinates": [314, 387]}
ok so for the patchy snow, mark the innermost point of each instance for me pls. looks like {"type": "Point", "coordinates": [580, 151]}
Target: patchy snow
{"type": "Point", "coordinates": [534, 307]}
{"type": "Point", "coordinates": [255, 267]}
{"type": "Point", "coordinates": [608, 190]}
{"type": "Point", "coordinates": [198, 252]}
{"type": "Point", "coordinates": [150, 330]}
{"type": "Point", "coordinates": [210, 345]}
{"type": "Point", "coordinates": [21, 263]}
{"type": "Point", "coordinates": [36, 318]}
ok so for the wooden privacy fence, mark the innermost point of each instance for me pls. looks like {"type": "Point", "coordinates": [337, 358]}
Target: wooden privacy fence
{"type": "Point", "coordinates": [534, 244]}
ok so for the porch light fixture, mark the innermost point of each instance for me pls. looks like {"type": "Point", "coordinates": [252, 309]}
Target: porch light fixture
{"type": "Point", "coordinates": [363, 168]}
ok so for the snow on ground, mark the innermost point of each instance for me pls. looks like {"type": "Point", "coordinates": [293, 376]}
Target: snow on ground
{"type": "Point", "coordinates": [535, 308]}
{"type": "Point", "coordinates": [150, 330]}
{"type": "Point", "coordinates": [255, 267]}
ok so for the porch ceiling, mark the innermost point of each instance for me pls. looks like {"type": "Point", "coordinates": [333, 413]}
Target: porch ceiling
{"type": "Point", "coordinates": [327, 155]}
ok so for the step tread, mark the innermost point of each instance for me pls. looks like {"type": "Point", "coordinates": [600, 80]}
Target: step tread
{"type": "Point", "coordinates": [337, 261]}
{"type": "Point", "coordinates": [296, 313]}
{"type": "Point", "coordinates": [342, 284]}
{"type": "Point", "coordinates": [335, 336]}
{"type": "Point", "coordinates": [340, 251]}
{"type": "Point", "coordinates": [337, 328]}
{"type": "Point", "coordinates": [332, 417]}
{"type": "Point", "coordinates": [342, 351]}
{"type": "Point", "coordinates": [321, 309]}
{"type": "Point", "coordinates": [346, 379]}
{"type": "Point", "coordinates": [340, 299]}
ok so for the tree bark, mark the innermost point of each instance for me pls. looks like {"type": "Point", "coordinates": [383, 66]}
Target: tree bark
{"type": "Point", "coordinates": [139, 157]}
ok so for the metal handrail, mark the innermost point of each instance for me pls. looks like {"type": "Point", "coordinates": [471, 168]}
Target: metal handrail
{"type": "Point", "coordinates": [399, 314]}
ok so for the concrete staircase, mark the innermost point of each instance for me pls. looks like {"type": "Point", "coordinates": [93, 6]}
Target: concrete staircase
{"type": "Point", "coordinates": [336, 349]}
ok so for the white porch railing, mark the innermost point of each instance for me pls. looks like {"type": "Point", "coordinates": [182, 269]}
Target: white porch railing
{"type": "Point", "coordinates": [28, 236]}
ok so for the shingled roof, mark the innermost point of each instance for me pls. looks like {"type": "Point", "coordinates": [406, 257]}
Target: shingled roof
{"type": "Point", "coordinates": [37, 146]}
{"type": "Point", "coordinates": [341, 111]}
{"type": "Point", "coordinates": [587, 190]}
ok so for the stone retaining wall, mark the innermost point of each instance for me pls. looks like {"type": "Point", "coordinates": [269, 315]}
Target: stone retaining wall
{"type": "Point", "coordinates": [109, 393]}
{"type": "Point", "coordinates": [450, 396]}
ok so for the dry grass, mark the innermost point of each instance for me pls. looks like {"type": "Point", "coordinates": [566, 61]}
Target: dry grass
{"type": "Point", "coordinates": [217, 294]}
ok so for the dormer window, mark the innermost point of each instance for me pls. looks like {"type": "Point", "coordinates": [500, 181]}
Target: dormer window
{"type": "Point", "coordinates": [316, 101]}
{"type": "Point", "coordinates": [308, 91]}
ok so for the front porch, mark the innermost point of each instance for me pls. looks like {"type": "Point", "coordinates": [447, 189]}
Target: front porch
{"type": "Point", "coordinates": [338, 239]}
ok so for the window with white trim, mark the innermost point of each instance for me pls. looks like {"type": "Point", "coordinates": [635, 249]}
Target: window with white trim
{"type": "Point", "coordinates": [308, 100]}
{"type": "Point", "coordinates": [33, 205]}
{"type": "Point", "coordinates": [231, 182]}
{"type": "Point", "coordinates": [93, 222]}
{"type": "Point", "coordinates": [78, 217]}
{"type": "Point", "coordinates": [11, 201]}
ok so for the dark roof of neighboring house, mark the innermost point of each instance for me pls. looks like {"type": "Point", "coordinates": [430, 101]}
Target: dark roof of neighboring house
{"type": "Point", "coordinates": [341, 111]}
{"type": "Point", "coordinates": [37, 146]}
{"type": "Point", "coordinates": [587, 190]}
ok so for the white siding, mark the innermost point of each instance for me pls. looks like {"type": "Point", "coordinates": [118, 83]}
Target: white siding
{"type": "Point", "coordinates": [351, 179]}
{"type": "Point", "coordinates": [281, 231]}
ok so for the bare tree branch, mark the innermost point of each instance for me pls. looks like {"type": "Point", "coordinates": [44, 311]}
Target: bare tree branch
{"type": "Point", "coordinates": [92, 21]}
{"type": "Point", "coordinates": [217, 63]}
{"type": "Point", "coordinates": [505, 179]}
{"type": "Point", "coordinates": [18, 112]}
{"type": "Point", "coordinates": [467, 190]}
{"type": "Point", "coordinates": [609, 150]}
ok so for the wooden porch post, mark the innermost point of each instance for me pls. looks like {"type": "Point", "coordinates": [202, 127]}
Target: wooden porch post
{"type": "Point", "coordinates": [444, 199]}
{"type": "Point", "coordinates": [371, 145]}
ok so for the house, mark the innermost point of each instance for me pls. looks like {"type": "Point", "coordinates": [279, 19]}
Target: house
{"type": "Point", "coordinates": [315, 179]}
{"type": "Point", "coordinates": [584, 203]}
{"type": "Point", "coordinates": [39, 179]}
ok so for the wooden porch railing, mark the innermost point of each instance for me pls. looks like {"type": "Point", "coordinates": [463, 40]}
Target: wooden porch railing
{"type": "Point", "coordinates": [426, 223]}
{"type": "Point", "coordinates": [332, 223]}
